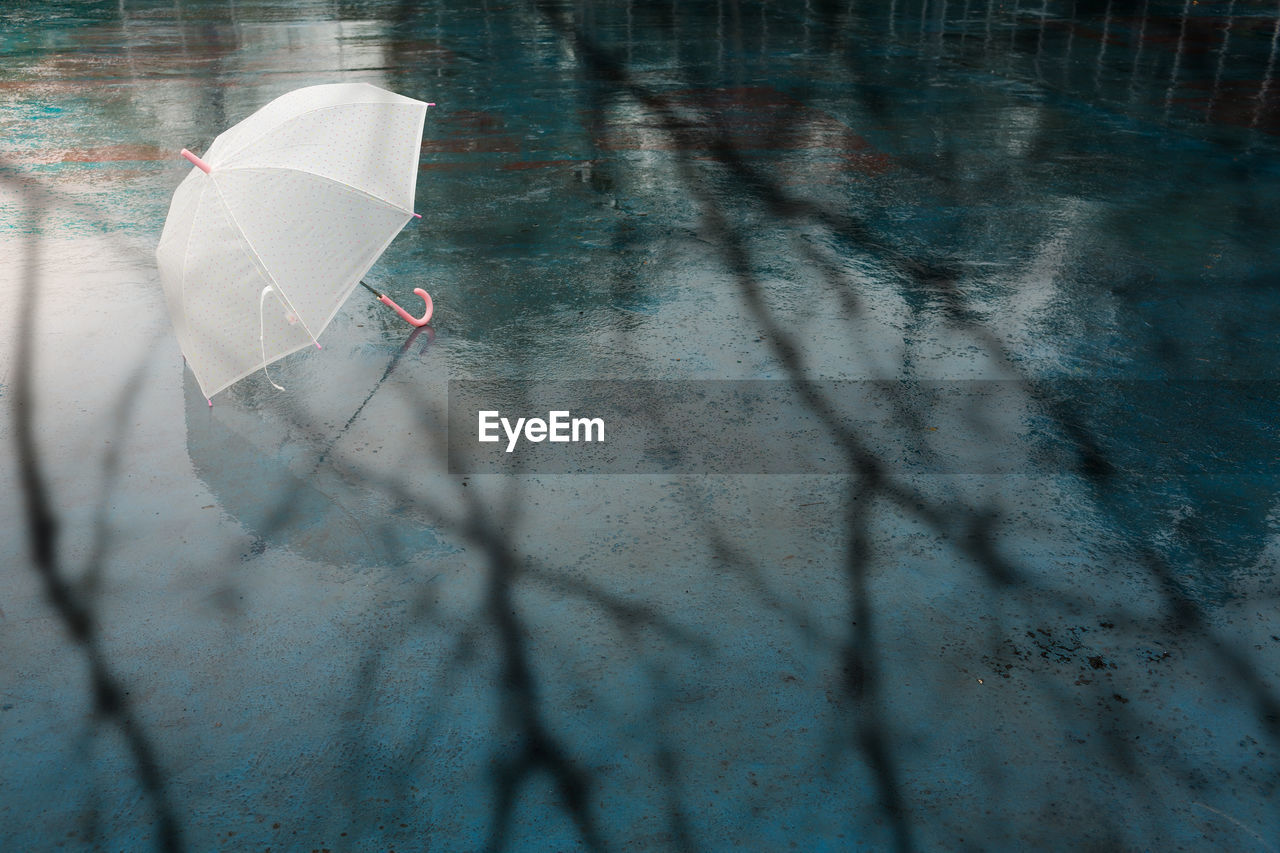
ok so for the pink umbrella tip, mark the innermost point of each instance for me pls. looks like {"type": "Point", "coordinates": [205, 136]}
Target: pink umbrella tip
{"type": "Point", "coordinates": [417, 216]}
{"type": "Point", "coordinates": [197, 162]}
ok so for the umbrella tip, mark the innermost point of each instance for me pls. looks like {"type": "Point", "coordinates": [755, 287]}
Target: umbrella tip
{"type": "Point", "coordinates": [197, 162]}
{"type": "Point", "coordinates": [210, 399]}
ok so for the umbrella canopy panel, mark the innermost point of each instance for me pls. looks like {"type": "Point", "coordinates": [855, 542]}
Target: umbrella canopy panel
{"type": "Point", "coordinates": [301, 198]}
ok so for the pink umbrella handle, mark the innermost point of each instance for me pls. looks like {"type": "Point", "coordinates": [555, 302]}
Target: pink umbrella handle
{"type": "Point", "coordinates": [409, 318]}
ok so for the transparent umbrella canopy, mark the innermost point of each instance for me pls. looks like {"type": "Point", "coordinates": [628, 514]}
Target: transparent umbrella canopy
{"type": "Point", "coordinates": [279, 221]}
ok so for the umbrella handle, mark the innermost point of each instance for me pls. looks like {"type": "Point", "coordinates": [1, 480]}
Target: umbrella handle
{"type": "Point", "coordinates": [409, 318]}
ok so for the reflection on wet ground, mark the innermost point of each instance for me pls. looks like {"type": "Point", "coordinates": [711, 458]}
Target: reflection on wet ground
{"type": "Point", "coordinates": [302, 630]}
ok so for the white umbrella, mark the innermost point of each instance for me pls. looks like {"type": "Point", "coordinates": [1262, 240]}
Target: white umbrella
{"type": "Point", "coordinates": [277, 224]}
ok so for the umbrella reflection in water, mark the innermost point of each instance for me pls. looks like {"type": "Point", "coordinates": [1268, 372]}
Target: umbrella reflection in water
{"type": "Point", "coordinates": [273, 476]}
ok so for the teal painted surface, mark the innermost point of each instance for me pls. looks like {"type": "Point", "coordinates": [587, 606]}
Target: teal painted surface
{"type": "Point", "coordinates": [328, 641]}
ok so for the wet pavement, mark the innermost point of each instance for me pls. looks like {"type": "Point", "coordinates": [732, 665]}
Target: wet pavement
{"type": "Point", "coordinates": [285, 622]}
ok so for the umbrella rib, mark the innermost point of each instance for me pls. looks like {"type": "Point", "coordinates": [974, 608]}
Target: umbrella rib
{"type": "Point", "coordinates": [302, 171]}
{"type": "Point", "coordinates": [182, 285]}
{"type": "Point", "coordinates": [250, 143]}
{"type": "Point", "coordinates": [257, 259]}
